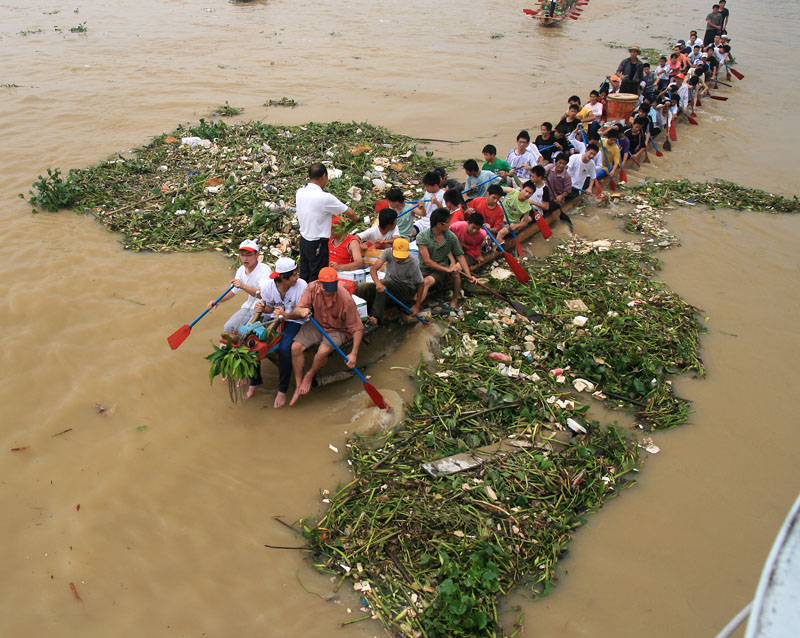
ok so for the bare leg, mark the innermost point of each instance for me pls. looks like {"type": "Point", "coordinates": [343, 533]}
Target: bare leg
{"type": "Point", "coordinates": [320, 359]}
{"type": "Point", "coordinates": [298, 361]}
{"type": "Point", "coordinates": [427, 284]}
{"type": "Point", "coordinates": [456, 290]}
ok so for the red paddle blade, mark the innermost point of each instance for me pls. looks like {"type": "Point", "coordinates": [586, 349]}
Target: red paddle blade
{"type": "Point", "coordinates": [612, 183]}
{"type": "Point", "coordinates": [519, 246]}
{"type": "Point", "coordinates": [573, 17]}
{"type": "Point", "coordinates": [178, 337]}
{"type": "Point", "coordinates": [531, 12]}
{"type": "Point", "coordinates": [623, 176]}
{"type": "Point", "coordinates": [377, 397]}
{"type": "Point", "coordinates": [736, 73]}
{"type": "Point", "coordinates": [718, 97]}
{"type": "Point", "coordinates": [599, 188]}
{"type": "Point", "coordinates": [673, 134]}
{"type": "Point", "coordinates": [698, 102]}
{"type": "Point", "coordinates": [519, 272]}
{"type": "Point", "coordinates": [692, 121]}
{"type": "Point", "coordinates": [659, 154]}
{"type": "Point", "coordinates": [543, 227]}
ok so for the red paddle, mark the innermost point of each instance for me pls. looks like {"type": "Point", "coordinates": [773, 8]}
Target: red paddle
{"type": "Point", "coordinates": [513, 234]}
{"type": "Point", "coordinates": [673, 134]}
{"type": "Point", "coordinates": [717, 97]}
{"type": "Point", "coordinates": [519, 272]}
{"type": "Point", "coordinates": [370, 389]}
{"type": "Point", "coordinates": [735, 72]}
{"type": "Point", "coordinates": [179, 336]}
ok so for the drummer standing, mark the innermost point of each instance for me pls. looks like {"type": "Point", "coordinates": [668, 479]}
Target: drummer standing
{"type": "Point", "coordinates": [630, 71]}
{"type": "Point", "coordinates": [315, 208]}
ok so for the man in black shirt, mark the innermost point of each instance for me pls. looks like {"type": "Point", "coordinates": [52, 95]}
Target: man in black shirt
{"type": "Point", "coordinates": [630, 71]}
{"type": "Point", "coordinates": [725, 15]}
{"type": "Point", "coordinates": [546, 140]}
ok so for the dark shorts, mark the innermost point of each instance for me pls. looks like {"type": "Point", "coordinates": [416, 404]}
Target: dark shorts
{"type": "Point", "coordinates": [313, 258]}
{"type": "Point", "coordinates": [441, 279]}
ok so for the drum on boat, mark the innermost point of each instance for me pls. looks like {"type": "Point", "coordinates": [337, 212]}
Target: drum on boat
{"type": "Point", "coordinates": [621, 105]}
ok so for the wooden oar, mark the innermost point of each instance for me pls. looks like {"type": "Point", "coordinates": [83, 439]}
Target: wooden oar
{"type": "Point", "coordinates": [537, 216]}
{"type": "Point", "coordinates": [734, 71]}
{"type": "Point", "coordinates": [370, 389]}
{"type": "Point", "coordinates": [180, 335]}
{"type": "Point", "coordinates": [692, 121]}
{"type": "Point", "coordinates": [406, 308]}
{"type": "Point", "coordinates": [513, 234]}
{"type": "Point", "coordinates": [725, 83]}
{"type": "Point", "coordinates": [716, 97]}
{"type": "Point", "coordinates": [530, 315]}
{"type": "Point", "coordinates": [519, 272]}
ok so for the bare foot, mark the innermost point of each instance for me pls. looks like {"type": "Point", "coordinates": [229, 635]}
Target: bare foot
{"type": "Point", "coordinates": [251, 391]}
{"type": "Point", "coordinates": [454, 303]}
{"type": "Point", "coordinates": [303, 388]}
{"type": "Point", "coordinates": [280, 400]}
{"type": "Point", "coordinates": [372, 320]}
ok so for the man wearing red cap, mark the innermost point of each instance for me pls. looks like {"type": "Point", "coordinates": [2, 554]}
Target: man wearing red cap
{"type": "Point", "coordinates": [334, 309]}
{"type": "Point", "coordinates": [250, 276]}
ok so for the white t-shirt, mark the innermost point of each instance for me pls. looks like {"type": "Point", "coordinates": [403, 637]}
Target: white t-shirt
{"type": "Point", "coordinates": [255, 279]}
{"type": "Point", "coordinates": [315, 208]}
{"type": "Point", "coordinates": [683, 96]}
{"type": "Point", "coordinates": [579, 171]}
{"type": "Point", "coordinates": [662, 72]}
{"type": "Point", "coordinates": [374, 234]}
{"type": "Point", "coordinates": [596, 108]}
{"type": "Point", "coordinates": [538, 195]}
{"type": "Point", "coordinates": [423, 223]}
{"type": "Point", "coordinates": [271, 297]}
{"type": "Point", "coordinates": [530, 157]}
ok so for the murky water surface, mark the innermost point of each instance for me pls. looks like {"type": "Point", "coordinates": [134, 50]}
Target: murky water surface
{"type": "Point", "coordinates": [178, 488]}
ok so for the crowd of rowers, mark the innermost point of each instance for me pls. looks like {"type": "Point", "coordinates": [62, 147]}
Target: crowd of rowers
{"type": "Point", "coordinates": [449, 226]}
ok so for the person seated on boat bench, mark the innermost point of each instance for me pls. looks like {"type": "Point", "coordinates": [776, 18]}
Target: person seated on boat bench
{"type": "Point", "coordinates": [585, 114]}
{"type": "Point", "coordinates": [571, 120]}
{"type": "Point", "coordinates": [489, 208]}
{"type": "Point", "coordinates": [397, 202]}
{"type": "Point", "coordinates": [638, 141]}
{"type": "Point", "coordinates": [454, 202]}
{"type": "Point", "coordinates": [544, 142]}
{"type": "Point", "coordinates": [403, 280]}
{"type": "Point", "coordinates": [442, 257]}
{"type": "Point", "coordinates": [561, 141]}
{"type": "Point", "coordinates": [648, 83]}
{"type": "Point", "coordinates": [582, 171]}
{"type": "Point", "coordinates": [433, 198]}
{"type": "Point", "coordinates": [250, 276]}
{"type": "Point", "coordinates": [523, 157]}
{"type": "Point", "coordinates": [344, 249]}
{"type": "Point", "coordinates": [334, 309]}
{"type": "Point", "coordinates": [612, 152]}
{"type": "Point", "coordinates": [471, 236]}
{"type": "Point", "coordinates": [476, 176]}
{"type": "Point", "coordinates": [280, 295]}
{"type": "Point", "coordinates": [518, 209]}
{"type": "Point", "coordinates": [492, 163]}
{"type": "Point", "coordinates": [559, 181]}
{"type": "Point", "coordinates": [385, 232]}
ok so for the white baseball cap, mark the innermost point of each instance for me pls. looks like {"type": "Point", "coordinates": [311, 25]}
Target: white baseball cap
{"type": "Point", "coordinates": [249, 244]}
{"type": "Point", "coordinates": [284, 264]}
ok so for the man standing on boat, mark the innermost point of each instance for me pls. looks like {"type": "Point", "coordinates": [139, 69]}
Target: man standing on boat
{"type": "Point", "coordinates": [315, 209]}
{"type": "Point", "coordinates": [333, 309]}
{"type": "Point", "coordinates": [630, 71]}
{"type": "Point", "coordinates": [714, 22]}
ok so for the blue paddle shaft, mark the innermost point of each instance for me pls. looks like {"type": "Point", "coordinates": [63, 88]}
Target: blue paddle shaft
{"type": "Point", "coordinates": [424, 201]}
{"type": "Point", "coordinates": [205, 312]}
{"type": "Point", "coordinates": [505, 214]}
{"type": "Point", "coordinates": [494, 239]}
{"type": "Point", "coordinates": [402, 305]}
{"type": "Point", "coordinates": [338, 349]}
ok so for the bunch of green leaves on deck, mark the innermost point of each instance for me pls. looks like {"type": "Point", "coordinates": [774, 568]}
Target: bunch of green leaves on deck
{"type": "Point", "coordinates": [237, 363]}
{"type": "Point", "coordinates": [720, 194]}
{"type": "Point", "coordinates": [158, 196]}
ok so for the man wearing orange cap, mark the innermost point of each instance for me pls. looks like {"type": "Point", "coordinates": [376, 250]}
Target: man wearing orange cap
{"type": "Point", "coordinates": [403, 280]}
{"type": "Point", "coordinates": [334, 309]}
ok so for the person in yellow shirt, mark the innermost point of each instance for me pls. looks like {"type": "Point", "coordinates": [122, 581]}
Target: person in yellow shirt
{"type": "Point", "coordinates": [584, 114]}
{"type": "Point", "coordinates": [612, 155]}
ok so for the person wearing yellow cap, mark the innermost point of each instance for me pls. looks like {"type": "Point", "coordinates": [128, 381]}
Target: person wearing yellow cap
{"type": "Point", "coordinates": [334, 309]}
{"type": "Point", "coordinates": [403, 280]}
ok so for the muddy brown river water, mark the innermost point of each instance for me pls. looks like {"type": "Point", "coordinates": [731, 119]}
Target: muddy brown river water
{"type": "Point", "coordinates": [168, 539]}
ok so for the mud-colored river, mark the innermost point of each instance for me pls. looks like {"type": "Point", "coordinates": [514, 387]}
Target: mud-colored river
{"type": "Point", "coordinates": [168, 539]}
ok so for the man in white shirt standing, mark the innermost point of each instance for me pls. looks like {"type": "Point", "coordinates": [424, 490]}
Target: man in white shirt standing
{"type": "Point", "coordinates": [250, 276]}
{"type": "Point", "coordinates": [315, 208]}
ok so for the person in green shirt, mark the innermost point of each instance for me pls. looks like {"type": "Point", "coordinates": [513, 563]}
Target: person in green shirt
{"type": "Point", "coordinates": [442, 256]}
{"type": "Point", "coordinates": [497, 166]}
{"type": "Point", "coordinates": [397, 202]}
{"type": "Point", "coordinates": [518, 209]}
